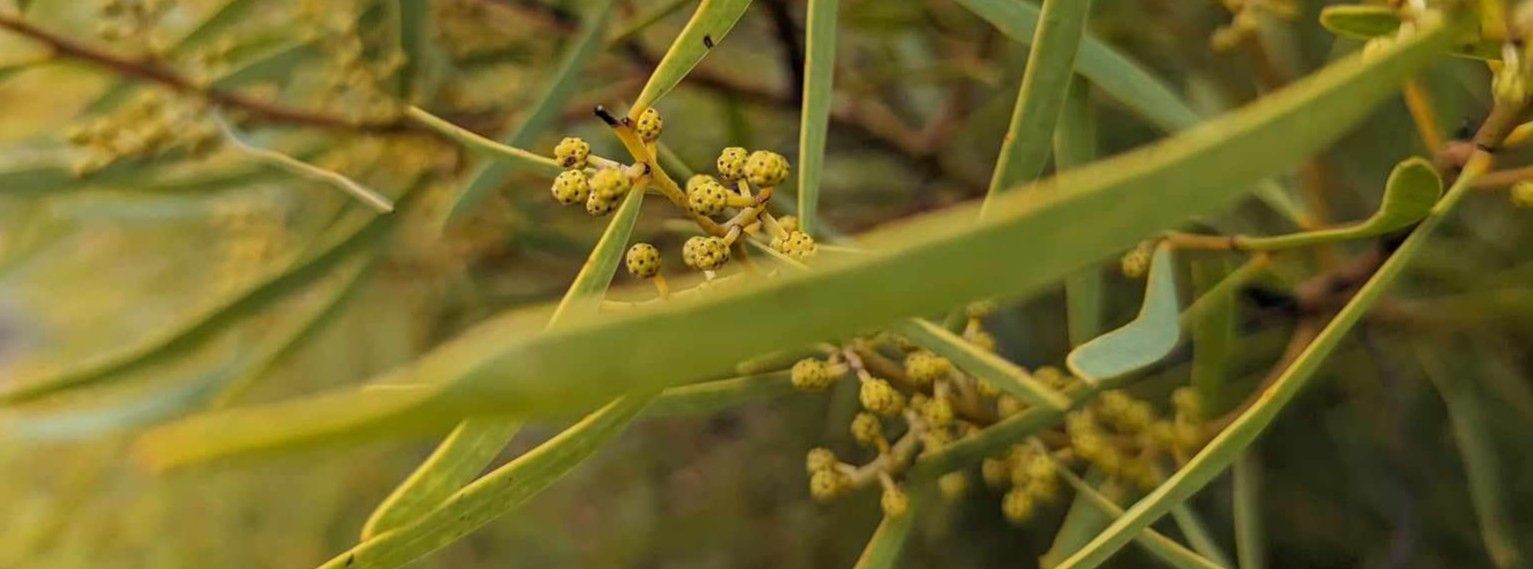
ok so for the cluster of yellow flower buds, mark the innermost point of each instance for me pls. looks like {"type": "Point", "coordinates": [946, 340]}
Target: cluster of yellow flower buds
{"type": "Point", "coordinates": [152, 124]}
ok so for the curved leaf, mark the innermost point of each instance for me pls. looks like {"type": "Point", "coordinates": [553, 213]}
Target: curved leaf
{"type": "Point", "coordinates": [922, 265]}
{"type": "Point", "coordinates": [1365, 22]}
{"type": "Point", "coordinates": [1140, 343]}
{"type": "Point", "coordinates": [708, 26]}
{"type": "Point", "coordinates": [1409, 194]}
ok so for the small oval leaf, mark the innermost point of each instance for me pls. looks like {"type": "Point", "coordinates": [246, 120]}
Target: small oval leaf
{"type": "Point", "coordinates": [1138, 344]}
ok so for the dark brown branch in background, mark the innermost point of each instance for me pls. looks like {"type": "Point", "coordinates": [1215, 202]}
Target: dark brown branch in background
{"type": "Point", "coordinates": [792, 42]}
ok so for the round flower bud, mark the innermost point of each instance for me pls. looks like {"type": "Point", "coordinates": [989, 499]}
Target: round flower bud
{"type": "Point", "coordinates": [796, 244]}
{"type": "Point", "coordinates": [894, 502]}
{"type": "Point", "coordinates": [706, 196]}
{"type": "Point", "coordinates": [1522, 194]}
{"type": "Point", "coordinates": [705, 253]}
{"type": "Point", "coordinates": [643, 260]}
{"type": "Point", "coordinates": [819, 458]}
{"type": "Point", "coordinates": [867, 430]}
{"type": "Point", "coordinates": [986, 389]}
{"type": "Point", "coordinates": [731, 163]}
{"type": "Point", "coordinates": [826, 484]}
{"type": "Point", "coordinates": [1050, 376]}
{"type": "Point", "coordinates": [933, 440]}
{"type": "Point", "coordinates": [766, 169]}
{"type": "Point", "coordinates": [939, 412]}
{"type": "Point", "coordinates": [788, 223]}
{"type": "Point", "coordinates": [1018, 505]}
{"type": "Point", "coordinates": [598, 204]}
{"type": "Point", "coordinates": [611, 183]}
{"type": "Point", "coordinates": [572, 153]}
{"type": "Point", "coordinates": [995, 471]}
{"type": "Point", "coordinates": [1187, 403]}
{"type": "Point", "coordinates": [925, 367]}
{"type": "Point", "coordinates": [880, 397]}
{"type": "Point", "coordinates": [649, 124]}
{"type": "Point", "coordinates": [810, 374]}
{"type": "Point", "coordinates": [1007, 405]}
{"type": "Point", "coordinates": [953, 485]}
{"type": "Point", "coordinates": [1135, 263]}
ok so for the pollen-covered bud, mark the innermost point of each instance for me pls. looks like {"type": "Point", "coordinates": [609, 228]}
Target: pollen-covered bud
{"type": "Point", "coordinates": [598, 204]}
{"type": "Point", "coordinates": [826, 484]}
{"type": "Point", "coordinates": [1008, 405]}
{"type": "Point", "coordinates": [894, 501]}
{"type": "Point", "coordinates": [925, 367]}
{"type": "Point", "coordinates": [953, 485]}
{"type": "Point", "coordinates": [643, 260]}
{"type": "Point", "coordinates": [610, 182]}
{"type": "Point", "coordinates": [986, 389]}
{"type": "Point", "coordinates": [649, 125]}
{"type": "Point", "coordinates": [1018, 505]}
{"type": "Point", "coordinates": [571, 187]}
{"type": "Point", "coordinates": [996, 472]}
{"type": "Point", "coordinates": [867, 430]}
{"type": "Point", "coordinates": [980, 339]}
{"type": "Point", "coordinates": [1051, 376]}
{"type": "Point", "coordinates": [1522, 194]}
{"type": "Point", "coordinates": [572, 153]}
{"type": "Point", "coordinates": [1187, 403]}
{"type": "Point", "coordinates": [819, 458]}
{"type": "Point", "coordinates": [788, 223]}
{"type": "Point", "coordinates": [1136, 262]}
{"type": "Point", "coordinates": [706, 196]}
{"type": "Point", "coordinates": [731, 163]}
{"type": "Point", "coordinates": [810, 374]}
{"type": "Point", "coordinates": [795, 244]}
{"type": "Point", "coordinates": [879, 397]}
{"type": "Point", "coordinates": [705, 253]}
{"type": "Point", "coordinates": [766, 169]}
{"type": "Point", "coordinates": [935, 439]}
{"type": "Point", "coordinates": [938, 412]}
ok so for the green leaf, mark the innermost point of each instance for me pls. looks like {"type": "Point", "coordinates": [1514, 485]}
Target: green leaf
{"type": "Point", "coordinates": [1409, 194]}
{"type": "Point", "coordinates": [819, 72]}
{"type": "Point", "coordinates": [1120, 77]}
{"type": "Point", "coordinates": [1075, 145]}
{"type": "Point", "coordinates": [423, 58]}
{"type": "Point", "coordinates": [1140, 343]}
{"type": "Point", "coordinates": [883, 549]}
{"type": "Point", "coordinates": [476, 442]}
{"type": "Point", "coordinates": [1045, 84]}
{"type": "Point", "coordinates": [550, 103]}
{"type": "Point", "coordinates": [708, 26]}
{"type": "Point", "coordinates": [1365, 22]}
{"type": "Point", "coordinates": [1162, 547]}
{"type": "Point", "coordinates": [1250, 543]}
{"type": "Point", "coordinates": [1213, 332]}
{"type": "Point", "coordinates": [981, 364]}
{"type": "Point", "coordinates": [714, 396]}
{"type": "Point", "coordinates": [180, 338]}
{"type": "Point", "coordinates": [1198, 535]}
{"type": "Point", "coordinates": [1476, 448]}
{"type": "Point", "coordinates": [1233, 440]}
{"type": "Point", "coordinates": [921, 265]}
{"type": "Point", "coordinates": [1082, 521]}
{"type": "Point", "coordinates": [495, 493]}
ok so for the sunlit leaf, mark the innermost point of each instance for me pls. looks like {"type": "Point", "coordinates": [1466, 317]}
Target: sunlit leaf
{"type": "Point", "coordinates": [707, 28]}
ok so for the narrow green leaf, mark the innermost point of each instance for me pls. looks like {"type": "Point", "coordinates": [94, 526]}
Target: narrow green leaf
{"type": "Point", "coordinates": [883, 549]}
{"type": "Point", "coordinates": [550, 102]}
{"type": "Point", "coordinates": [1123, 199]}
{"type": "Point", "coordinates": [707, 28]}
{"type": "Point", "coordinates": [1198, 535]}
{"type": "Point", "coordinates": [517, 157]}
{"type": "Point", "coordinates": [1482, 466]}
{"type": "Point", "coordinates": [423, 59]}
{"type": "Point", "coordinates": [1409, 194]}
{"type": "Point", "coordinates": [1045, 84]}
{"type": "Point", "coordinates": [178, 339]}
{"type": "Point", "coordinates": [1229, 443]}
{"type": "Point", "coordinates": [1213, 332]}
{"type": "Point", "coordinates": [1120, 77]}
{"type": "Point", "coordinates": [475, 442]}
{"type": "Point", "coordinates": [1365, 22]}
{"type": "Point", "coordinates": [1250, 543]}
{"type": "Point", "coordinates": [1162, 547]}
{"type": "Point", "coordinates": [819, 72]}
{"type": "Point", "coordinates": [495, 493]}
{"type": "Point", "coordinates": [980, 363]}
{"type": "Point", "coordinates": [1075, 145]}
{"type": "Point", "coordinates": [714, 396]}
{"type": "Point", "coordinates": [1140, 343]}
{"type": "Point", "coordinates": [1082, 521]}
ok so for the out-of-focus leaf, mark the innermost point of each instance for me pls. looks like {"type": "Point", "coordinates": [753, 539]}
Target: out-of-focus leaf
{"type": "Point", "coordinates": [653, 12]}
{"type": "Point", "coordinates": [1364, 22]}
{"type": "Point", "coordinates": [1075, 145]}
{"type": "Point", "coordinates": [550, 102]}
{"type": "Point", "coordinates": [1250, 542]}
{"type": "Point", "coordinates": [518, 157]}
{"type": "Point", "coordinates": [1198, 535]}
{"type": "Point", "coordinates": [1140, 343]}
{"type": "Point", "coordinates": [708, 26]}
{"type": "Point", "coordinates": [1045, 84]}
{"type": "Point", "coordinates": [925, 264]}
{"type": "Point", "coordinates": [819, 72]}
{"type": "Point", "coordinates": [718, 395]}
{"type": "Point", "coordinates": [475, 442]}
{"type": "Point", "coordinates": [981, 364]}
{"type": "Point", "coordinates": [493, 494]}
{"type": "Point", "coordinates": [1082, 522]}
{"type": "Point", "coordinates": [1244, 429]}
{"type": "Point", "coordinates": [883, 549]}
{"type": "Point", "coordinates": [1409, 194]}
{"type": "Point", "coordinates": [1213, 332]}
{"type": "Point", "coordinates": [1162, 547]}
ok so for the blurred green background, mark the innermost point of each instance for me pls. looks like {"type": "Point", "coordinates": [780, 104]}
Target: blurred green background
{"type": "Point", "coordinates": [1363, 471]}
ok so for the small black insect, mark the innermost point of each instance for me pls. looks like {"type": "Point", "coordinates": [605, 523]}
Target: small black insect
{"type": "Point", "coordinates": [708, 41]}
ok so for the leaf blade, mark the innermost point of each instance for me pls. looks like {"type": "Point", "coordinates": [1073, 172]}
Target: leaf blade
{"type": "Point", "coordinates": [1147, 339]}
{"type": "Point", "coordinates": [819, 74]}
{"type": "Point", "coordinates": [707, 27]}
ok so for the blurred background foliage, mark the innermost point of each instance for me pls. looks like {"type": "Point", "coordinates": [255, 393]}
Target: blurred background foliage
{"type": "Point", "coordinates": [1363, 471]}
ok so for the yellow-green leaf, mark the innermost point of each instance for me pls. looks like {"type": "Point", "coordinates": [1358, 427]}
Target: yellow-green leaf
{"type": "Point", "coordinates": [1409, 194]}
{"type": "Point", "coordinates": [1148, 338]}
{"type": "Point", "coordinates": [708, 26]}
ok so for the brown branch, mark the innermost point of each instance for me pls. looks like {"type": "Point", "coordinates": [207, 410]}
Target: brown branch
{"type": "Point", "coordinates": [154, 72]}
